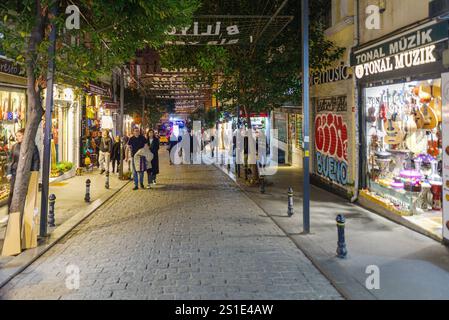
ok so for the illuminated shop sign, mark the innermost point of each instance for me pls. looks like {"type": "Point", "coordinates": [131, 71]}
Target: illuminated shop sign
{"type": "Point", "coordinates": [339, 73]}
{"type": "Point", "coordinates": [412, 58]}
{"type": "Point", "coordinates": [409, 49]}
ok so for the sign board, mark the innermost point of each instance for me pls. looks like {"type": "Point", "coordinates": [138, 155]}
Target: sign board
{"type": "Point", "coordinates": [409, 49]}
{"type": "Point", "coordinates": [222, 30]}
{"type": "Point", "coordinates": [445, 92]}
{"type": "Point", "coordinates": [10, 67]}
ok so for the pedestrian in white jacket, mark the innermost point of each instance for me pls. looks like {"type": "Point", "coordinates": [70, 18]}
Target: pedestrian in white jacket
{"type": "Point", "coordinates": [142, 159]}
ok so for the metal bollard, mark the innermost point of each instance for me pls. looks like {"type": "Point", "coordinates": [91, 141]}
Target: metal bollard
{"type": "Point", "coordinates": [342, 252]}
{"type": "Point", "coordinates": [87, 197]}
{"type": "Point", "coordinates": [262, 184]}
{"type": "Point", "coordinates": [51, 212]}
{"type": "Point", "coordinates": [106, 185]}
{"type": "Point", "coordinates": [290, 202]}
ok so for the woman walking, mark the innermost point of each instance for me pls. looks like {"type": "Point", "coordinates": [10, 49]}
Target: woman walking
{"type": "Point", "coordinates": [153, 143]}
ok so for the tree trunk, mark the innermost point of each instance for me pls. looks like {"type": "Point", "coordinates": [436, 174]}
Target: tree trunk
{"type": "Point", "coordinates": [34, 114]}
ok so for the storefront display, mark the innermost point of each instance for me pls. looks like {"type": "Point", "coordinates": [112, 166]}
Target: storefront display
{"type": "Point", "coordinates": [404, 152]}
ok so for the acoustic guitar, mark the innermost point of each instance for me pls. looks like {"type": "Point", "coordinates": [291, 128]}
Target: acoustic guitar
{"type": "Point", "coordinates": [418, 117]}
{"type": "Point", "coordinates": [394, 134]}
{"type": "Point", "coordinates": [436, 104]}
{"type": "Point", "coordinates": [429, 116]}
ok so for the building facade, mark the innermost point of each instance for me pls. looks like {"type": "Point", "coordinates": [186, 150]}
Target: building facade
{"type": "Point", "coordinates": [401, 71]}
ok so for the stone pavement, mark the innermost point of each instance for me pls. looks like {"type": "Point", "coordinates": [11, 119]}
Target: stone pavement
{"type": "Point", "coordinates": [195, 236]}
{"type": "Point", "coordinates": [411, 265]}
{"type": "Point", "coordinates": [70, 198]}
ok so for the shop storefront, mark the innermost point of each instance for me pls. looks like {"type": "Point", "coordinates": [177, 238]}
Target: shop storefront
{"type": "Point", "coordinates": [289, 119]}
{"type": "Point", "coordinates": [400, 89]}
{"type": "Point", "coordinates": [13, 101]}
{"type": "Point", "coordinates": [93, 114]}
{"type": "Point", "coordinates": [279, 122]}
{"type": "Point", "coordinates": [333, 120]}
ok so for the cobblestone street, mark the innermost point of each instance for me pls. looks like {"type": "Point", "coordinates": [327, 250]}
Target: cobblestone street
{"type": "Point", "coordinates": [195, 236]}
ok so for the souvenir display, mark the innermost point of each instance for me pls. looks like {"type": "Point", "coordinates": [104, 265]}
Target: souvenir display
{"type": "Point", "coordinates": [12, 119]}
{"type": "Point", "coordinates": [405, 150]}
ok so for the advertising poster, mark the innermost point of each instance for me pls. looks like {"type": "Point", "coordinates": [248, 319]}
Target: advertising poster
{"type": "Point", "coordinates": [445, 91]}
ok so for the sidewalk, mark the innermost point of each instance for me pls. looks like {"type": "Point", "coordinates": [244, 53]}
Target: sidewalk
{"type": "Point", "coordinates": [70, 199]}
{"type": "Point", "coordinates": [412, 266]}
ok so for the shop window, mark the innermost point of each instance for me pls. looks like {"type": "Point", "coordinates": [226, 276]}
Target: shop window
{"type": "Point", "coordinates": [404, 146]}
{"type": "Point", "coordinates": [12, 119]}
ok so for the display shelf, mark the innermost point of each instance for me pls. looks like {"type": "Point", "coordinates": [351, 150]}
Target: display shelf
{"type": "Point", "coordinates": [402, 200]}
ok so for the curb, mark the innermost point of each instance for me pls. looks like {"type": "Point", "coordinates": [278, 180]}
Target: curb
{"type": "Point", "coordinates": [26, 258]}
{"type": "Point", "coordinates": [347, 286]}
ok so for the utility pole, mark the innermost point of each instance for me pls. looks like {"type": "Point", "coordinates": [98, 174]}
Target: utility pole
{"type": "Point", "coordinates": [48, 123]}
{"type": "Point", "coordinates": [306, 112]}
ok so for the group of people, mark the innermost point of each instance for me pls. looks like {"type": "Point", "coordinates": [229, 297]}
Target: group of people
{"type": "Point", "coordinates": [142, 151]}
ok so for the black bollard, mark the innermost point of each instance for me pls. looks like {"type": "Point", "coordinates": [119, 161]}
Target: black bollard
{"type": "Point", "coordinates": [51, 212]}
{"type": "Point", "coordinates": [290, 202]}
{"type": "Point", "coordinates": [87, 197]}
{"type": "Point", "coordinates": [342, 252]}
{"type": "Point", "coordinates": [262, 184]}
{"type": "Point", "coordinates": [106, 185]}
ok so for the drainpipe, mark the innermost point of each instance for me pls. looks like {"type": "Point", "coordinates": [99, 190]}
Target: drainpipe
{"type": "Point", "coordinates": [357, 105]}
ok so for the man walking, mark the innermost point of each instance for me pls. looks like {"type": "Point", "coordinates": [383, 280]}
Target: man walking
{"type": "Point", "coordinates": [137, 142]}
{"type": "Point", "coordinates": [105, 151]}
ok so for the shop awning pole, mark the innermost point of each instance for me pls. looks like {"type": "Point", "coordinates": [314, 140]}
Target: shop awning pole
{"type": "Point", "coordinates": [48, 124]}
{"type": "Point", "coordinates": [305, 103]}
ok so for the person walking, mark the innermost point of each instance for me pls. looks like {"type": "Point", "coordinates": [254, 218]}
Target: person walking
{"type": "Point", "coordinates": [142, 162]}
{"type": "Point", "coordinates": [172, 143]}
{"type": "Point", "coordinates": [137, 142]}
{"type": "Point", "coordinates": [115, 156]}
{"type": "Point", "coordinates": [154, 144]}
{"type": "Point", "coordinates": [105, 151]}
{"type": "Point", "coordinates": [14, 162]}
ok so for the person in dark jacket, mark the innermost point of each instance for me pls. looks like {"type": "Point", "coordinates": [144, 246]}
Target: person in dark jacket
{"type": "Point", "coordinates": [14, 162]}
{"type": "Point", "coordinates": [154, 144]}
{"type": "Point", "coordinates": [136, 142]}
{"type": "Point", "coordinates": [115, 156]}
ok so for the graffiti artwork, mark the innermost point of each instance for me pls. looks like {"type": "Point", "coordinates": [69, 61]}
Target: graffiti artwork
{"type": "Point", "coordinates": [331, 145]}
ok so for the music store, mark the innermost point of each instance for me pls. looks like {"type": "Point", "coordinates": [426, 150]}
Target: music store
{"type": "Point", "coordinates": [401, 81]}
{"type": "Point", "coordinates": [13, 101]}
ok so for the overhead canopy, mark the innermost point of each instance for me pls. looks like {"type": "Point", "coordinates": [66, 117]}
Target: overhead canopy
{"type": "Point", "coordinates": [229, 30]}
{"type": "Point", "coordinates": [216, 30]}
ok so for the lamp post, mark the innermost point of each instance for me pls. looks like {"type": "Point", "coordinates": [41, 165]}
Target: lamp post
{"type": "Point", "coordinates": [306, 112]}
{"type": "Point", "coordinates": [47, 132]}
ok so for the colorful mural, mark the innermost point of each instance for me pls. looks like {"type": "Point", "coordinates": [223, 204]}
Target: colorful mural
{"type": "Point", "coordinates": [331, 146]}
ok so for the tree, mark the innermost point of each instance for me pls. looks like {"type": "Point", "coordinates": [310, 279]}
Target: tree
{"type": "Point", "coordinates": [152, 110]}
{"type": "Point", "coordinates": [110, 34]}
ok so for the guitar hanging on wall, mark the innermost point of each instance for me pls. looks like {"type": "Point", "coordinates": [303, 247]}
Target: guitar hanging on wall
{"type": "Point", "coordinates": [429, 115]}
{"type": "Point", "coordinates": [394, 134]}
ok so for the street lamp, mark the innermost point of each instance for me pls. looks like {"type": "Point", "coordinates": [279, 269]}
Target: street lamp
{"type": "Point", "coordinates": [306, 112]}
